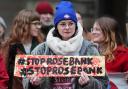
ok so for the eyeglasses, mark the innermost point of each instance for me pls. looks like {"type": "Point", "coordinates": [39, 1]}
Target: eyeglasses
{"type": "Point", "coordinates": [37, 23]}
{"type": "Point", "coordinates": [95, 29]}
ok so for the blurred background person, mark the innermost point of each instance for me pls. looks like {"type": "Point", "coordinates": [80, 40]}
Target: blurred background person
{"type": "Point", "coordinates": [46, 12]}
{"type": "Point", "coordinates": [86, 33]}
{"type": "Point", "coordinates": [3, 71]}
{"type": "Point", "coordinates": [25, 35]}
{"type": "Point", "coordinates": [3, 28]}
{"type": "Point", "coordinates": [79, 18]}
{"type": "Point", "coordinates": [110, 45]}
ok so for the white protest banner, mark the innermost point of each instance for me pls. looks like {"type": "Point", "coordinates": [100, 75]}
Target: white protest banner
{"type": "Point", "coordinates": [58, 66]}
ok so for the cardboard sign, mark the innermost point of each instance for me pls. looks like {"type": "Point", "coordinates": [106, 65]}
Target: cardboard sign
{"type": "Point", "coordinates": [58, 66]}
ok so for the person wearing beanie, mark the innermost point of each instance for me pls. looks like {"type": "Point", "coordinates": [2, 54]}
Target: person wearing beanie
{"type": "Point", "coordinates": [46, 12]}
{"type": "Point", "coordinates": [66, 39]}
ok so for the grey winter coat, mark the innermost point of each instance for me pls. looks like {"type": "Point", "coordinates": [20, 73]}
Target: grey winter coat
{"type": "Point", "coordinates": [87, 49]}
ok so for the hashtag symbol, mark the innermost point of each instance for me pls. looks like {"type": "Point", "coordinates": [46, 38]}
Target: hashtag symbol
{"type": "Point", "coordinates": [21, 61]}
{"type": "Point", "coordinates": [23, 72]}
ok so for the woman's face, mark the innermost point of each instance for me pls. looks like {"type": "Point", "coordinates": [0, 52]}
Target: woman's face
{"type": "Point", "coordinates": [97, 34]}
{"type": "Point", "coordinates": [66, 29]}
{"type": "Point", "coordinates": [35, 27]}
{"type": "Point", "coordinates": [1, 31]}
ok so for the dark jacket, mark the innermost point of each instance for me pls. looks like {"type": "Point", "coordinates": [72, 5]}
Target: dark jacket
{"type": "Point", "coordinates": [17, 48]}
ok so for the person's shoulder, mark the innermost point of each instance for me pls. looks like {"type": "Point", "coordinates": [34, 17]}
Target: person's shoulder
{"type": "Point", "coordinates": [39, 49]}
{"type": "Point", "coordinates": [41, 45]}
{"type": "Point", "coordinates": [121, 50]}
{"type": "Point", "coordinates": [88, 43]}
{"type": "Point", "coordinates": [89, 48]}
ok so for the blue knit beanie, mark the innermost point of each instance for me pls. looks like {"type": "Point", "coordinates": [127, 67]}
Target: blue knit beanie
{"type": "Point", "coordinates": [64, 11]}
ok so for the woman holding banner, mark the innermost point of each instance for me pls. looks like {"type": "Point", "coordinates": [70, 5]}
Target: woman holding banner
{"type": "Point", "coordinates": [25, 36]}
{"type": "Point", "coordinates": [66, 39]}
{"type": "Point", "coordinates": [106, 34]}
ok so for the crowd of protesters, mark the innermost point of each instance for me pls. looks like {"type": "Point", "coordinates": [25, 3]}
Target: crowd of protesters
{"type": "Point", "coordinates": [43, 31]}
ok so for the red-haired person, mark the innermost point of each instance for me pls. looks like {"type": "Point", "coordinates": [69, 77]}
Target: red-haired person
{"type": "Point", "coordinates": [106, 34]}
{"type": "Point", "coordinates": [25, 36]}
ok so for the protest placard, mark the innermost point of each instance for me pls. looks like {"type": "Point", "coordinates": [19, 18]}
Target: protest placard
{"type": "Point", "coordinates": [58, 66]}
